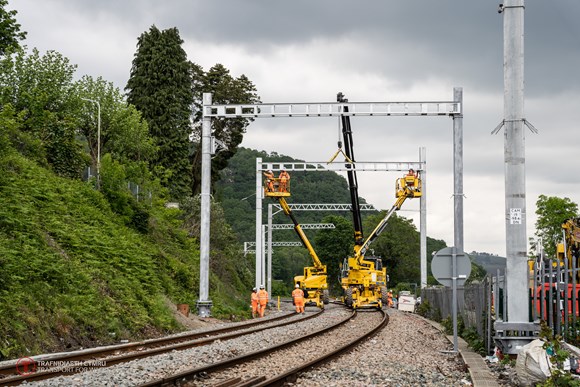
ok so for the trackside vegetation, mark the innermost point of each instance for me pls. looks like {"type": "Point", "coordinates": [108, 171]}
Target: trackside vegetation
{"type": "Point", "coordinates": [74, 273]}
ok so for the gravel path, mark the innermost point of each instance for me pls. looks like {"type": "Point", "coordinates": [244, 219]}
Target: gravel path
{"type": "Point", "coordinates": [409, 352]}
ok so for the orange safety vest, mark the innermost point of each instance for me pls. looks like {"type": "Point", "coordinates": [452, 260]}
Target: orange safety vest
{"type": "Point", "coordinates": [263, 296]}
{"type": "Point", "coordinates": [298, 295]}
{"type": "Point", "coordinates": [254, 298]}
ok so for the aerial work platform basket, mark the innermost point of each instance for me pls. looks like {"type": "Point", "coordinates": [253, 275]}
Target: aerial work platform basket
{"type": "Point", "coordinates": [275, 189]}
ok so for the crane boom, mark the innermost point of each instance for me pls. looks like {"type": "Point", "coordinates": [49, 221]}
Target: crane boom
{"type": "Point", "coordinates": [351, 173]}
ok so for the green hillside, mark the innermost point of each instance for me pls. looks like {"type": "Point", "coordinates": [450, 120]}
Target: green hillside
{"type": "Point", "coordinates": [73, 273]}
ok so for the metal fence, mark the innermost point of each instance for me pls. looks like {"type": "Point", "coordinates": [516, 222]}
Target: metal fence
{"type": "Point", "coordinates": [554, 297]}
{"type": "Point", "coordinates": [474, 306]}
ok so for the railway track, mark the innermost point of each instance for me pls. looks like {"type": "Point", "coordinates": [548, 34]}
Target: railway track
{"type": "Point", "coordinates": [285, 360]}
{"type": "Point", "coordinates": [333, 348]}
{"type": "Point", "coordinates": [12, 374]}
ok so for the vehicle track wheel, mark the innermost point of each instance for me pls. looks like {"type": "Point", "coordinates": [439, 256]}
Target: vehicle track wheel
{"type": "Point", "coordinates": [325, 297]}
{"type": "Point", "coordinates": [384, 296]}
{"type": "Point", "coordinates": [348, 297]}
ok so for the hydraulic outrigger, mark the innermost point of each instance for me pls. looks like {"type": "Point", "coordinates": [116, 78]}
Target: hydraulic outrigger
{"type": "Point", "coordinates": [313, 282]}
{"type": "Point", "coordinates": [363, 278]}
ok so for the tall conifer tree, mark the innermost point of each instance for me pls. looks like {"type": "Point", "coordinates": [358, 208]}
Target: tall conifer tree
{"type": "Point", "coordinates": [160, 86]}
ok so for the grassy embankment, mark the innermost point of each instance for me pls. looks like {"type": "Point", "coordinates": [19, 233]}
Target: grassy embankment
{"type": "Point", "coordinates": [72, 273]}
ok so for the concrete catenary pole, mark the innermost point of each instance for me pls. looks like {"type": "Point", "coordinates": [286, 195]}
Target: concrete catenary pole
{"type": "Point", "coordinates": [204, 303]}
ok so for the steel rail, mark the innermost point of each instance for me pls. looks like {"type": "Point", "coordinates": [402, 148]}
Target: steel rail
{"type": "Point", "coordinates": [157, 346]}
{"type": "Point", "coordinates": [292, 375]}
{"type": "Point", "coordinates": [183, 377]}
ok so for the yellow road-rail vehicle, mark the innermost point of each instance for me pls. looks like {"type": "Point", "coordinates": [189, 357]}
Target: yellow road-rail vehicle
{"type": "Point", "coordinates": [363, 277]}
{"type": "Point", "coordinates": [313, 281]}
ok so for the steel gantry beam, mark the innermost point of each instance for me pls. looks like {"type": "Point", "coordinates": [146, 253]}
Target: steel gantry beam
{"type": "Point", "coordinates": [360, 166]}
{"type": "Point", "coordinates": [268, 110]}
{"type": "Point", "coordinates": [250, 247]}
{"type": "Point", "coordinates": [311, 226]}
{"type": "Point", "coordinates": [330, 109]}
{"type": "Point", "coordinates": [324, 207]}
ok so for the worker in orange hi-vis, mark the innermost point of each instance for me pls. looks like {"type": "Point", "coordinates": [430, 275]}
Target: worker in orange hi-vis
{"type": "Point", "coordinates": [262, 300]}
{"type": "Point", "coordinates": [269, 181]}
{"type": "Point", "coordinates": [298, 299]}
{"type": "Point", "coordinates": [390, 298]}
{"type": "Point", "coordinates": [284, 180]}
{"type": "Point", "coordinates": [255, 303]}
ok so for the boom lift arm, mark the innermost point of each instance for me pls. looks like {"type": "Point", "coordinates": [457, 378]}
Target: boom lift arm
{"type": "Point", "coordinates": [313, 280]}
{"type": "Point", "coordinates": [403, 192]}
{"type": "Point", "coordinates": [300, 232]}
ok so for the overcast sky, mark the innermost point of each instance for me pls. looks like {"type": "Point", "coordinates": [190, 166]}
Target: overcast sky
{"type": "Point", "coordinates": [307, 51]}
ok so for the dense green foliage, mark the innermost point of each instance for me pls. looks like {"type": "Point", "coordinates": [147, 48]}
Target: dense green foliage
{"type": "Point", "coordinates": [552, 211]}
{"type": "Point", "coordinates": [73, 274]}
{"type": "Point", "coordinates": [10, 32]}
{"type": "Point", "coordinates": [41, 91]}
{"type": "Point", "coordinates": [160, 87]}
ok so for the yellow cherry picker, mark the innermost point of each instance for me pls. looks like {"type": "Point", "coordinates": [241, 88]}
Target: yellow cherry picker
{"type": "Point", "coordinates": [313, 281]}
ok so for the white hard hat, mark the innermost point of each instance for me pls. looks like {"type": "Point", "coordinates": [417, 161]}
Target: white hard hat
{"type": "Point", "coordinates": [261, 286]}
{"type": "Point", "coordinates": [297, 285]}
{"type": "Point", "coordinates": [254, 289]}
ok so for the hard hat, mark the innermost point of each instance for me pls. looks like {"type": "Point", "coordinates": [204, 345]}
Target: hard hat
{"type": "Point", "coordinates": [254, 289]}
{"type": "Point", "coordinates": [297, 286]}
{"type": "Point", "coordinates": [261, 286]}
{"type": "Point", "coordinates": [270, 171]}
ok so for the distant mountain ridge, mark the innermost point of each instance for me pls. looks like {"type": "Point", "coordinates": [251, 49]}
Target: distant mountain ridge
{"type": "Point", "coordinates": [491, 263]}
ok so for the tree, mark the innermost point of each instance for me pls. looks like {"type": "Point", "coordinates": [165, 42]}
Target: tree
{"type": "Point", "coordinates": [10, 32]}
{"type": "Point", "coordinates": [124, 134]}
{"type": "Point", "coordinates": [332, 246]}
{"type": "Point", "coordinates": [399, 246]}
{"type": "Point", "coordinates": [552, 211]}
{"type": "Point", "coordinates": [160, 87]}
{"type": "Point", "coordinates": [225, 90]}
{"type": "Point", "coordinates": [40, 89]}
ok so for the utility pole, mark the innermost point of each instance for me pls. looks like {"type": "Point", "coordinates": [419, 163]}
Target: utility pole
{"type": "Point", "coordinates": [517, 317]}
{"type": "Point", "coordinates": [98, 140]}
{"type": "Point", "coordinates": [204, 304]}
